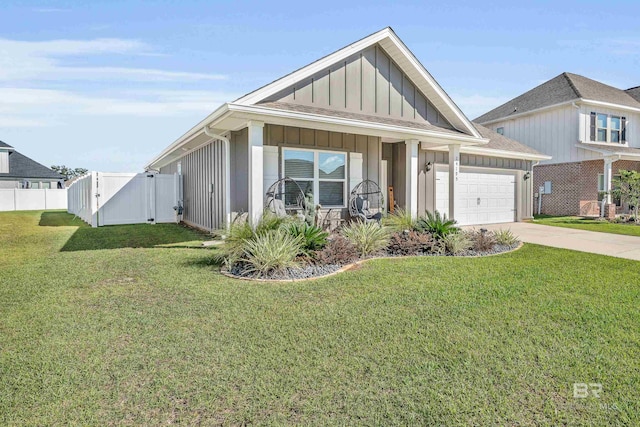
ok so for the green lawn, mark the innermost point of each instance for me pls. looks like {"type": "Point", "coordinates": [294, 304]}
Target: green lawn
{"type": "Point", "coordinates": [146, 335]}
{"type": "Point", "coordinates": [588, 224]}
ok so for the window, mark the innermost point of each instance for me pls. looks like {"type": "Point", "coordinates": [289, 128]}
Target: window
{"type": "Point", "coordinates": [615, 129]}
{"type": "Point", "coordinates": [319, 173]}
{"type": "Point", "coordinates": [608, 128]}
{"type": "Point", "coordinates": [601, 124]}
{"type": "Point", "coordinates": [601, 188]}
{"type": "Point", "coordinates": [500, 131]}
{"type": "Point", "coordinates": [46, 185]}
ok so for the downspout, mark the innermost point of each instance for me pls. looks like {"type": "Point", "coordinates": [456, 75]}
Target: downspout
{"type": "Point", "coordinates": [227, 172]}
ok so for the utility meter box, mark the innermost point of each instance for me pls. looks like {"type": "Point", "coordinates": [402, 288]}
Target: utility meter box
{"type": "Point", "coordinates": [547, 187]}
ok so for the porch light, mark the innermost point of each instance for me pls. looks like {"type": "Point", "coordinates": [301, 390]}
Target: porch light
{"type": "Point", "coordinates": [527, 175]}
{"type": "Point", "coordinates": [427, 166]}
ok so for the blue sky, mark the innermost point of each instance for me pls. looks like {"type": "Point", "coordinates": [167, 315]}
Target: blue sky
{"type": "Point", "coordinates": [106, 85]}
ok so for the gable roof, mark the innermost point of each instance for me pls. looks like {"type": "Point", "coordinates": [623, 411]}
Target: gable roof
{"type": "Point", "coordinates": [21, 166]}
{"type": "Point", "coordinates": [563, 88]}
{"type": "Point", "coordinates": [634, 92]}
{"type": "Point", "coordinates": [502, 143]}
{"type": "Point", "coordinates": [5, 145]}
{"type": "Point", "coordinates": [399, 53]}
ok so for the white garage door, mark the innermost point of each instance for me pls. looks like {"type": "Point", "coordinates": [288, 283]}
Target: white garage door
{"type": "Point", "coordinates": [483, 198]}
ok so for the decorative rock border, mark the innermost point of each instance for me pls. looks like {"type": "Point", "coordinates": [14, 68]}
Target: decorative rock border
{"type": "Point", "coordinates": [353, 265]}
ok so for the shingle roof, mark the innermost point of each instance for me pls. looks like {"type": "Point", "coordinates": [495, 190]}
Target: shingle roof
{"type": "Point", "coordinates": [501, 142]}
{"type": "Point", "coordinates": [355, 116]}
{"type": "Point", "coordinates": [563, 88]}
{"type": "Point", "coordinates": [634, 92]}
{"type": "Point", "coordinates": [21, 166]}
{"type": "Point", "coordinates": [5, 145]}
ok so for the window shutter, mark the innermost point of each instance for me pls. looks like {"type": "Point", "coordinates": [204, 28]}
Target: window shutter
{"type": "Point", "coordinates": [593, 127]}
{"type": "Point", "coordinates": [355, 170]}
{"type": "Point", "coordinates": [624, 130]}
{"type": "Point", "coordinates": [270, 167]}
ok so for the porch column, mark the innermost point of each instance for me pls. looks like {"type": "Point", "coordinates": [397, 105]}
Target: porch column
{"type": "Point", "coordinates": [607, 179]}
{"type": "Point", "coordinates": [454, 176]}
{"type": "Point", "coordinates": [255, 181]}
{"type": "Point", "coordinates": [411, 176]}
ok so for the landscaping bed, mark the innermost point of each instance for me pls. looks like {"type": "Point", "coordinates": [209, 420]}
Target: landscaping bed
{"type": "Point", "coordinates": [288, 249]}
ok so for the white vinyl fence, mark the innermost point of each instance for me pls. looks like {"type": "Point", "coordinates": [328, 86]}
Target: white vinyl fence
{"type": "Point", "coordinates": [100, 198]}
{"type": "Point", "coordinates": [18, 199]}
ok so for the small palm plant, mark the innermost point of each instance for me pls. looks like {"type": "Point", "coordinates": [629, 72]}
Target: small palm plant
{"type": "Point", "coordinates": [274, 250]}
{"type": "Point", "coordinates": [438, 225]}
{"type": "Point", "coordinates": [314, 238]}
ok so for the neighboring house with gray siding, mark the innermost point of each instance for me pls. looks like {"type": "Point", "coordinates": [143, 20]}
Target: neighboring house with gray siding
{"type": "Point", "coordinates": [19, 171]}
{"type": "Point", "coordinates": [367, 111]}
{"type": "Point", "coordinates": [591, 130]}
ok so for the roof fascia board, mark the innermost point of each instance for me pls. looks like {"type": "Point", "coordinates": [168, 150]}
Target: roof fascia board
{"type": "Point", "coordinates": [272, 112]}
{"type": "Point", "coordinates": [435, 85]}
{"type": "Point", "coordinates": [537, 110]}
{"type": "Point", "coordinates": [610, 153]}
{"type": "Point", "coordinates": [217, 115]}
{"type": "Point", "coordinates": [610, 105]}
{"type": "Point", "coordinates": [311, 69]}
{"type": "Point", "coordinates": [503, 153]}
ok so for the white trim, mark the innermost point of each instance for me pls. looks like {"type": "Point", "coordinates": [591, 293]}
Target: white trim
{"type": "Point", "coordinates": [619, 155]}
{"type": "Point", "coordinates": [316, 174]}
{"type": "Point", "coordinates": [503, 153]}
{"type": "Point", "coordinates": [525, 113]}
{"type": "Point", "coordinates": [380, 36]}
{"type": "Point", "coordinates": [361, 124]}
{"type": "Point", "coordinates": [574, 101]}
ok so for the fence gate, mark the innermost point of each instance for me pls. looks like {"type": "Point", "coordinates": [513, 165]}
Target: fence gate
{"type": "Point", "coordinates": [125, 198]}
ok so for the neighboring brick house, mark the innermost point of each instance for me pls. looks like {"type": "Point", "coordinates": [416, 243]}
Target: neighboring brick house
{"type": "Point", "coordinates": [590, 129]}
{"type": "Point", "coordinates": [19, 171]}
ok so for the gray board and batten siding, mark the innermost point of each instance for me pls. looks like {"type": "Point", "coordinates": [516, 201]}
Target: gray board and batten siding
{"type": "Point", "coordinates": [368, 82]}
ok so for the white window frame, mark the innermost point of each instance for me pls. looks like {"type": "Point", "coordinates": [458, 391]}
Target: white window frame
{"type": "Point", "coordinates": [608, 129]}
{"type": "Point", "coordinates": [316, 174]}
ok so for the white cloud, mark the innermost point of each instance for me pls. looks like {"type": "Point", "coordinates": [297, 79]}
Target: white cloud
{"type": "Point", "coordinates": [42, 61]}
{"type": "Point", "coordinates": [24, 107]}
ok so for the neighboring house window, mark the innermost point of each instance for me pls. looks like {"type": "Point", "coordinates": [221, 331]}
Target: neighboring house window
{"type": "Point", "coordinates": [46, 185]}
{"type": "Point", "coordinates": [320, 173]}
{"type": "Point", "coordinates": [608, 128]}
{"type": "Point", "coordinates": [601, 189]}
{"type": "Point", "coordinates": [500, 131]}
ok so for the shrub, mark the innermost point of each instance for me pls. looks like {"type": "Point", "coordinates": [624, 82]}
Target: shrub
{"type": "Point", "coordinates": [241, 232]}
{"type": "Point", "coordinates": [367, 237]}
{"type": "Point", "coordinates": [410, 243]}
{"type": "Point", "coordinates": [438, 225]}
{"type": "Point", "coordinates": [338, 251]}
{"type": "Point", "coordinates": [455, 243]}
{"type": "Point", "coordinates": [505, 237]}
{"type": "Point", "coordinates": [482, 240]}
{"type": "Point", "coordinates": [400, 220]}
{"type": "Point", "coordinates": [272, 251]}
{"type": "Point", "coordinates": [314, 238]}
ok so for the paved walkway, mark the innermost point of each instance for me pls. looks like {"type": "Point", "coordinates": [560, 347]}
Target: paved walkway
{"type": "Point", "coordinates": [579, 240]}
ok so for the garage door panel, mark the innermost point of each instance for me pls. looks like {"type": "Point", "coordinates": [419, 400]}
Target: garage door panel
{"type": "Point", "coordinates": [482, 197]}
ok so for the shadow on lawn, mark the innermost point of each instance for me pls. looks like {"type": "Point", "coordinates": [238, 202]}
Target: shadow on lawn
{"type": "Point", "coordinates": [86, 238]}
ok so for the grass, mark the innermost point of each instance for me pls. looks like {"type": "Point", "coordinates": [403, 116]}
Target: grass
{"type": "Point", "coordinates": [589, 224]}
{"type": "Point", "coordinates": [150, 336]}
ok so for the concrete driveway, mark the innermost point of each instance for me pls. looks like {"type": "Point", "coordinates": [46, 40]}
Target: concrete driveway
{"type": "Point", "coordinates": [578, 240]}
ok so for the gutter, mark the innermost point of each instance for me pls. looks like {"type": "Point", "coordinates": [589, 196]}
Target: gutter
{"type": "Point", "coordinates": [227, 172]}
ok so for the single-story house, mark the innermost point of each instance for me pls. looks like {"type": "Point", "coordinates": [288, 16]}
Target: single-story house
{"type": "Point", "coordinates": [367, 111]}
{"type": "Point", "coordinates": [19, 171]}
